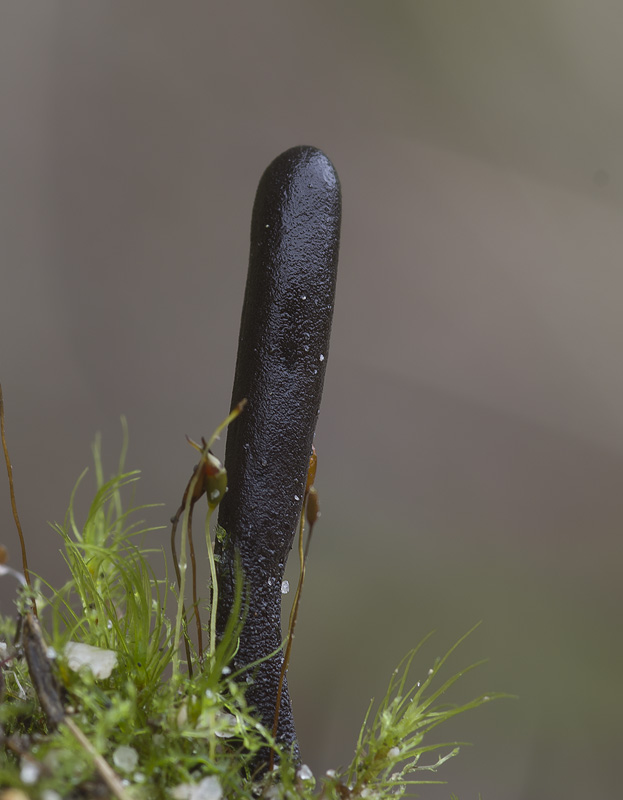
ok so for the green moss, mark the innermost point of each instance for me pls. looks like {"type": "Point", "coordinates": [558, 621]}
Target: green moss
{"type": "Point", "coordinates": [159, 728]}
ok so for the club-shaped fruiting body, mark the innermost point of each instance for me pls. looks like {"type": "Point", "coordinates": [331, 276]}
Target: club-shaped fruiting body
{"type": "Point", "coordinates": [282, 356]}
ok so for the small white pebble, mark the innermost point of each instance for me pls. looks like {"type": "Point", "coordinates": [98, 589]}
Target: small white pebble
{"type": "Point", "coordinates": [125, 758]}
{"type": "Point", "coordinates": [29, 772]}
{"type": "Point", "coordinates": [304, 773]}
{"type": "Point", "coordinates": [207, 789]}
{"type": "Point", "coordinates": [285, 587]}
{"type": "Point", "coordinates": [394, 752]}
{"type": "Point", "coordinates": [225, 733]}
{"type": "Point", "coordinates": [101, 662]}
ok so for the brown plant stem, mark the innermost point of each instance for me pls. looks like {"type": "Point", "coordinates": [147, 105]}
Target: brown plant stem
{"type": "Point", "coordinates": [18, 525]}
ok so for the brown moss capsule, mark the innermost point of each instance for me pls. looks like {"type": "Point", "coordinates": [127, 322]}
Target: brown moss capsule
{"type": "Point", "coordinates": [313, 508]}
{"type": "Point", "coordinates": [311, 472]}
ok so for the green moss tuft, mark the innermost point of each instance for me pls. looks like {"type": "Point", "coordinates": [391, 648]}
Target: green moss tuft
{"type": "Point", "coordinates": [161, 729]}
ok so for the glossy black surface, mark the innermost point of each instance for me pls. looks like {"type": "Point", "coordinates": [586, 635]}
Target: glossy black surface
{"type": "Point", "coordinates": [282, 355]}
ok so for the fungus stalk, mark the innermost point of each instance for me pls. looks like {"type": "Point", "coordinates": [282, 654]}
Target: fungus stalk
{"type": "Point", "coordinates": [280, 368]}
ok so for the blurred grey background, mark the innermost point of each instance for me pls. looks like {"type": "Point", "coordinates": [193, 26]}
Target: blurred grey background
{"type": "Point", "coordinates": [471, 436]}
